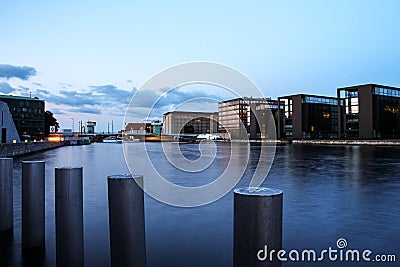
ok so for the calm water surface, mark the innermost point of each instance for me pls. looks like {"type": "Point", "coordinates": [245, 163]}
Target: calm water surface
{"type": "Point", "coordinates": [330, 192]}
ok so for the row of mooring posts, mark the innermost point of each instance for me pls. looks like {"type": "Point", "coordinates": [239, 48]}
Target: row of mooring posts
{"type": "Point", "coordinates": [257, 217]}
{"type": "Point", "coordinates": [69, 210]}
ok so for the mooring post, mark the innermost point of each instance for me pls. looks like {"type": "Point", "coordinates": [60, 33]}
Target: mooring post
{"type": "Point", "coordinates": [6, 194]}
{"type": "Point", "coordinates": [126, 220]}
{"type": "Point", "coordinates": [69, 216]}
{"type": "Point", "coordinates": [257, 227]}
{"type": "Point", "coordinates": [33, 216]}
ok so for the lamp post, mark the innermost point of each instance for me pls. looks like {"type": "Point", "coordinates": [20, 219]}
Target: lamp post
{"type": "Point", "coordinates": [73, 122]}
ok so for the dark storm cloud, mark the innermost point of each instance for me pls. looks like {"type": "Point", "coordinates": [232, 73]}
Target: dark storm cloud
{"type": "Point", "coordinates": [22, 72]}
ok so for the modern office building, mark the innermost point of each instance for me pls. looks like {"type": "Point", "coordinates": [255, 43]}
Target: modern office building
{"type": "Point", "coordinates": [308, 117]}
{"type": "Point", "coordinates": [9, 133]}
{"type": "Point", "coordinates": [28, 115]}
{"type": "Point", "coordinates": [186, 122]}
{"type": "Point", "coordinates": [370, 111]}
{"type": "Point", "coordinates": [247, 117]}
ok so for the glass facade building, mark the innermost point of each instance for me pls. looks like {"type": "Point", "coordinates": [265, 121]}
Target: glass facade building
{"type": "Point", "coordinates": [28, 115]}
{"type": "Point", "coordinates": [308, 117]}
{"type": "Point", "coordinates": [252, 118]}
{"type": "Point", "coordinates": [371, 111]}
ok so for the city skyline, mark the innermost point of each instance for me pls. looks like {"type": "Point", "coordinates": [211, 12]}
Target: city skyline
{"type": "Point", "coordinates": [87, 59]}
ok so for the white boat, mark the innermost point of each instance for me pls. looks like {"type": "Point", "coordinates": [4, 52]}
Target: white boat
{"type": "Point", "coordinates": [112, 139]}
{"type": "Point", "coordinates": [207, 137]}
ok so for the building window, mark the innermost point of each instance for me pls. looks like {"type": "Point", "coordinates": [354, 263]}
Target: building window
{"type": "Point", "coordinates": [320, 100]}
{"type": "Point", "coordinates": [387, 92]}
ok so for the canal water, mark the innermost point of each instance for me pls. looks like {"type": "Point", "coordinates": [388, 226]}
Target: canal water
{"type": "Point", "coordinates": [330, 192]}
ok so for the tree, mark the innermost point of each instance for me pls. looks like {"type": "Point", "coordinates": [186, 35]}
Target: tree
{"type": "Point", "coordinates": [49, 120]}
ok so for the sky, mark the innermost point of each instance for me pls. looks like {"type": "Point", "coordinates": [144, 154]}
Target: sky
{"type": "Point", "coordinates": [86, 59]}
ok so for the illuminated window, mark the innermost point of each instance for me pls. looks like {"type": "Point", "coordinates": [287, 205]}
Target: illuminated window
{"type": "Point", "coordinates": [326, 115]}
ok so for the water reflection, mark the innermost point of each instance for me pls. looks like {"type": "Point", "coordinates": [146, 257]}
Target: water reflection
{"type": "Point", "coordinates": [329, 192]}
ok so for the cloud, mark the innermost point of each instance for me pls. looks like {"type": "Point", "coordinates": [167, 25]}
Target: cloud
{"type": "Point", "coordinates": [86, 109]}
{"type": "Point", "coordinates": [97, 99]}
{"type": "Point", "coordinates": [57, 111]}
{"type": "Point", "coordinates": [152, 104]}
{"type": "Point", "coordinates": [6, 88]}
{"type": "Point", "coordinates": [166, 97]}
{"type": "Point", "coordinates": [9, 71]}
{"type": "Point", "coordinates": [69, 98]}
{"type": "Point", "coordinates": [23, 89]}
{"type": "Point", "coordinates": [112, 94]}
{"type": "Point", "coordinates": [42, 91]}
{"type": "Point", "coordinates": [91, 100]}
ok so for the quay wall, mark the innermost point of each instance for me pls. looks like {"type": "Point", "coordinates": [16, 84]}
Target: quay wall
{"type": "Point", "coordinates": [349, 142]}
{"type": "Point", "coordinates": [19, 149]}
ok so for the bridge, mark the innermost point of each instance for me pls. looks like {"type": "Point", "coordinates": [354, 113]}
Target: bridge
{"type": "Point", "coordinates": [99, 137]}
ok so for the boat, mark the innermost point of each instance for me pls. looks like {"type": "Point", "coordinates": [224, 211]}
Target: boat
{"type": "Point", "coordinates": [207, 137]}
{"type": "Point", "coordinates": [112, 139]}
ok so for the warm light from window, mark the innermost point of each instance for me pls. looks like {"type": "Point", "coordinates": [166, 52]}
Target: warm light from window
{"type": "Point", "coordinates": [54, 138]}
{"type": "Point", "coordinates": [391, 109]}
{"type": "Point", "coordinates": [326, 115]}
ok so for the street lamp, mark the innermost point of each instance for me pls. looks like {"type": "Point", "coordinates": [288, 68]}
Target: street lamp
{"type": "Point", "coordinates": [73, 122]}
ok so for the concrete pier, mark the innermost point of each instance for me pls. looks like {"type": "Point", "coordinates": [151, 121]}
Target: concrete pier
{"type": "Point", "coordinates": [126, 220]}
{"type": "Point", "coordinates": [19, 149]}
{"type": "Point", "coordinates": [257, 224]}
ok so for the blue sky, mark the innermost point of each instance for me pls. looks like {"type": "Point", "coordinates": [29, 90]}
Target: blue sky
{"type": "Point", "coordinates": [85, 58]}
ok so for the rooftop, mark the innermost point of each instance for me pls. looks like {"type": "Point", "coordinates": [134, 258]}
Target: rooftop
{"type": "Point", "coordinates": [310, 95]}
{"type": "Point", "coordinates": [369, 84]}
{"type": "Point", "coordinates": [248, 99]}
{"type": "Point", "coordinates": [189, 112]}
{"type": "Point", "coordinates": [19, 97]}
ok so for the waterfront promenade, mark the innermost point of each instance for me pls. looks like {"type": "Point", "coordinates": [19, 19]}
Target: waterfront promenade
{"type": "Point", "coordinates": [19, 149]}
{"type": "Point", "coordinates": [347, 142]}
